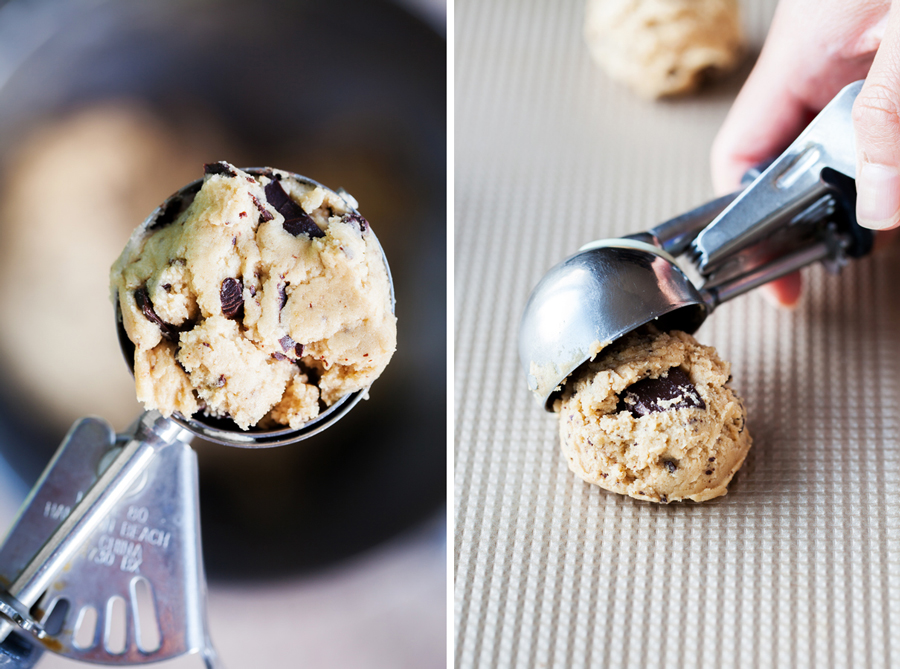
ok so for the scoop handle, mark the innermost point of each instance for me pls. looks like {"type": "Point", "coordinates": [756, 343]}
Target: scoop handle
{"type": "Point", "coordinates": [676, 235]}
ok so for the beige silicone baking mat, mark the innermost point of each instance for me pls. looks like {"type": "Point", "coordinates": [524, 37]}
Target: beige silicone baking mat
{"type": "Point", "coordinates": [799, 565]}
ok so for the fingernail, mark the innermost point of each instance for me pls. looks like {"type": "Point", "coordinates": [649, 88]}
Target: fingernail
{"type": "Point", "coordinates": [877, 195]}
{"type": "Point", "coordinates": [776, 298]}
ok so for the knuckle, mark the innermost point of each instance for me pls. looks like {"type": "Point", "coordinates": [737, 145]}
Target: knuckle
{"type": "Point", "coordinates": [876, 111]}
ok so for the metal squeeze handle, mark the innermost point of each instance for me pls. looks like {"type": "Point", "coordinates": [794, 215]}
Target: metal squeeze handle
{"type": "Point", "coordinates": [797, 210]}
{"type": "Point", "coordinates": [793, 184]}
{"type": "Point", "coordinates": [80, 524]}
{"type": "Point", "coordinates": [160, 450]}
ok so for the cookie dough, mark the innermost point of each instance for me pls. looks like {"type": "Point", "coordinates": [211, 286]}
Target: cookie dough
{"type": "Point", "coordinates": [264, 299]}
{"type": "Point", "coordinates": [664, 47]}
{"type": "Point", "coordinates": [654, 418]}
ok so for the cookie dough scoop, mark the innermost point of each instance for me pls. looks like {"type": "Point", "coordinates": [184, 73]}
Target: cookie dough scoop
{"type": "Point", "coordinates": [255, 307]}
{"type": "Point", "coordinates": [798, 210]}
{"type": "Point", "coordinates": [104, 563]}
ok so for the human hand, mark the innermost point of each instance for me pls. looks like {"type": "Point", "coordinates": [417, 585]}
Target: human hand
{"type": "Point", "coordinates": [814, 48]}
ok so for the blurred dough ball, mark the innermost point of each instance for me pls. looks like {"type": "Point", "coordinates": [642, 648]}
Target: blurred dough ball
{"type": "Point", "coordinates": [664, 47]}
{"type": "Point", "coordinates": [72, 191]}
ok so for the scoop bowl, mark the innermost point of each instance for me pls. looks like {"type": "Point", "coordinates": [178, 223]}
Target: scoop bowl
{"type": "Point", "coordinates": [586, 302]}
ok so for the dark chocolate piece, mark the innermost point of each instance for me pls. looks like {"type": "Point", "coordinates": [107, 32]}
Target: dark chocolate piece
{"type": "Point", "coordinates": [289, 344]}
{"type": "Point", "coordinates": [264, 214]}
{"type": "Point", "coordinates": [220, 167]}
{"type": "Point", "coordinates": [232, 297]}
{"type": "Point", "coordinates": [168, 331]}
{"type": "Point", "coordinates": [358, 220]}
{"type": "Point", "coordinates": [670, 465]}
{"type": "Point", "coordinates": [651, 395]}
{"type": "Point", "coordinates": [282, 295]}
{"type": "Point", "coordinates": [296, 221]}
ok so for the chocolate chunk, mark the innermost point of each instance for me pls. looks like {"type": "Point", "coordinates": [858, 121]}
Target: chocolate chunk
{"type": "Point", "coordinates": [282, 295]}
{"type": "Point", "coordinates": [671, 391]}
{"type": "Point", "coordinates": [231, 296]}
{"type": "Point", "coordinates": [712, 459]}
{"type": "Point", "coordinates": [664, 499]}
{"type": "Point", "coordinates": [221, 381]}
{"type": "Point", "coordinates": [264, 214]}
{"type": "Point", "coordinates": [168, 331]}
{"type": "Point", "coordinates": [358, 220]}
{"type": "Point", "coordinates": [709, 472]}
{"type": "Point", "coordinates": [670, 466]}
{"type": "Point", "coordinates": [289, 346]}
{"type": "Point", "coordinates": [296, 221]}
{"type": "Point", "coordinates": [220, 167]}
{"type": "Point", "coordinates": [169, 213]}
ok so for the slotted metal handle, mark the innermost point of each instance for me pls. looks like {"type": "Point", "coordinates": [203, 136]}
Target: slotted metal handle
{"type": "Point", "coordinates": [110, 537]}
{"type": "Point", "coordinates": [788, 186]}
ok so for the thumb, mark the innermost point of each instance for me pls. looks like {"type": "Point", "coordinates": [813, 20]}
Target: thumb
{"type": "Point", "coordinates": [876, 122]}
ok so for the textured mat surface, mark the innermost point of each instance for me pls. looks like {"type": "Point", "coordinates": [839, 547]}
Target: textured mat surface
{"type": "Point", "coordinates": [799, 565]}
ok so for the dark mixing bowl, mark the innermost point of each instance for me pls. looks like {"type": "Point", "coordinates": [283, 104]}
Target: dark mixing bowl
{"type": "Point", "coordinates": [348, 92]}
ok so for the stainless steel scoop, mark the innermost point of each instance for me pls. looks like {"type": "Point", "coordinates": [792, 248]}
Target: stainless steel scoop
{"type": "Point", "coordinates": [798, 210]}
{"type": "Point", "coordinates": [104, 562]}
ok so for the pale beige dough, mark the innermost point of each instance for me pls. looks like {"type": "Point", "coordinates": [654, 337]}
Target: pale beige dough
{"type": "Point", "coordinates": [664, 47]}
{"type": "Point", "coordinates": [316, 321]}
{"type": "Point", "coordinates": [686, 453]}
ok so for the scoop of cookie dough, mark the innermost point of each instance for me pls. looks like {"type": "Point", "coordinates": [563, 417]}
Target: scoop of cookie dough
{"type": "Point", "coordinates": [653, 417]}
{"type": "Point", "coordinates": [663, 47]}
{"type": "Point", "coordinates": [264, 299]}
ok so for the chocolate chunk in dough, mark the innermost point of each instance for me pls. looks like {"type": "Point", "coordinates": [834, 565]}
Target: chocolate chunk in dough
{"type": "Point", "coordinates": [232, 297]}
{"type": "Point", "coordinates": [672, 390]}
{"type": "Point", "coordinates": [358, 220]}
{"type": "Point", "coordinates": [220, 167]}
{"type": "Point", "coordinates": [142, 298]}
{"type": "Point", "coordinates": [296, 221]}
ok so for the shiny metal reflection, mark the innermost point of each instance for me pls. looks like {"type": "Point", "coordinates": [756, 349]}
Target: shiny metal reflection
{"type": "Point", "coordinates": [594, 297]}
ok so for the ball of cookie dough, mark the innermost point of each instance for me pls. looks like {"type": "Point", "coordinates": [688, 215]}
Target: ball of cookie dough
{"type": "Point", "coordinates": [663, 47]}
{"type": "Point", "coordinates": [266, 299]}
{"type": "Point", "coordinates": [653, 417]}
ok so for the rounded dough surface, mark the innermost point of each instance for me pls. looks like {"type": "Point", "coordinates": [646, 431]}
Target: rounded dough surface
{"type": "Point", "coordinates": [663, 47]}
{"type": "Point", "coordinates": [266, 299]}
{"type": "Point", "coordinates": [661, 440]}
